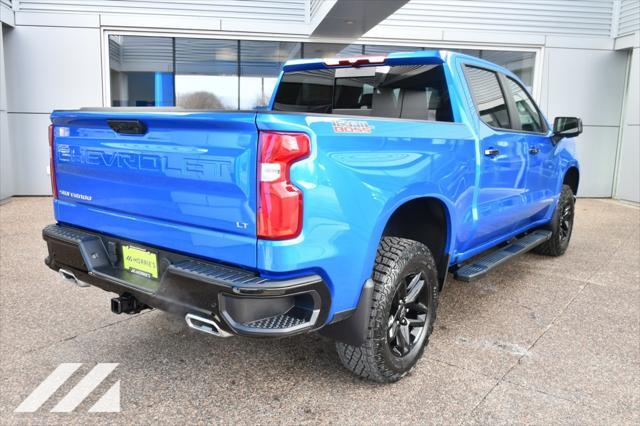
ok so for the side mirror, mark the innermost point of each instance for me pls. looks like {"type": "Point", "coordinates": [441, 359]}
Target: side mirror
{"type": "Point", "coordinates": [566, 127]}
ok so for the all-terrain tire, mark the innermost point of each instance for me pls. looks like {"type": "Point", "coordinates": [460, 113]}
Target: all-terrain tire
{"type": "Point", "coordinates": [396, 259]}
{"type": "Point", "coordinates": [561, 225]}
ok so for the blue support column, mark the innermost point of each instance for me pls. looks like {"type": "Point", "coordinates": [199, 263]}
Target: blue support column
{"type": "Point", "coordinates": [164, 89]}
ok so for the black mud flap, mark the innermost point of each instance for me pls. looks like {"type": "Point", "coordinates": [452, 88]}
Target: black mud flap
{"type": "Point", "coordinates": [353, 330]}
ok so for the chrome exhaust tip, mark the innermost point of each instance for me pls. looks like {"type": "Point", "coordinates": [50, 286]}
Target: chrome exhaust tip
{"type": "Point", "coordinates": [205, 325]}
{"type": "Point", "coordinates": [70, 277]}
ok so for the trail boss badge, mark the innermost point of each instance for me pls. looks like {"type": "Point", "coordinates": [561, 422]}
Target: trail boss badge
{"type": "Point", "coordinates": [351, 126]}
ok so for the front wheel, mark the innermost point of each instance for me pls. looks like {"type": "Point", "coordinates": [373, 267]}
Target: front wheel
{"type": "Point", "coordinates": [404, 307]}
{"type": "Point", "coordinates": [561, 225]}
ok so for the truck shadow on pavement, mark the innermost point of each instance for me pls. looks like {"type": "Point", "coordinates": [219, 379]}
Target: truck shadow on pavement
{"type": "Point", "coordinates": [164, 341]}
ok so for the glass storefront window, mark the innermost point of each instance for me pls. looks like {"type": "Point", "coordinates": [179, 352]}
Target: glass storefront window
{"type": "Point", "coordinates": [201, 73]}
{"type": "Point", "coordinates": [206, 73]}
{"type": "Point", "coordinates": [141, 71]}
{"type": "Point", "coordinates": [520, 63]}
{"type": "Point", "coordinates": [260, 65]}
{"type": "Point", "coordinates": [331, 50]}
{"type": "Point", "coordinates": [375, 49]}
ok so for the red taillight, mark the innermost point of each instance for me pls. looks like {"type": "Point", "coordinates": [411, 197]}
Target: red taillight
{"type": "Point", "coordinates": [354, 62]}
{"type": "Point", "coordinates": [279, 202]}
{"type": "Point", "coordinates": [52, 163]}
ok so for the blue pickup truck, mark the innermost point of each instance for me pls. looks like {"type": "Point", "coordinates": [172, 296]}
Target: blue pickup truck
{"type": "Point", "coordinates": [340, 209]}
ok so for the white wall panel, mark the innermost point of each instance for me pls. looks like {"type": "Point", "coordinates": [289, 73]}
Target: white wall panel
{"type": "Point", "coordinates": [30, 144]}
{"type": "Point", "coordinates": [628, 179]}
{"type": "Point", "coordinates": [279, 10]}
{"type": "Point", "coordinates": [596, 151]}
{"type": "Point", "coordinates": [628, 183]}
{"type": "Point", "coordinates": [314, 6]}
{"type": "Point", "coordinates": [47, 68]}
{"type": "Point", "coordinates": [584, 17]}
{"type": "Point", "coordinates": [629, 19]}
{"type": "Point", "coordinates": [632, 108]}
{"type": "Point", "coordinates": [3, 87]}
{"type": "Point", "coordinates": [75, 20]}
{"type": "Point", "coordinates": [52, 68]}
{"type": "Point", "coordinates": [6, 158]}
{"type": "Point", "coordinates": [586, 83]}
{"type": "Point", "coordinates": [6, 12]}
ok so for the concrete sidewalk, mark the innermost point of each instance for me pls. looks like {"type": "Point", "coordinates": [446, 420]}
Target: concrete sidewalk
{"type": "Point", "coordinates": [541, 340]}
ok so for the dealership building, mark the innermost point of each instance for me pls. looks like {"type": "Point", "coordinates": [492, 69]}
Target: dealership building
{"type": "Point", "coordinates": [578, 58]}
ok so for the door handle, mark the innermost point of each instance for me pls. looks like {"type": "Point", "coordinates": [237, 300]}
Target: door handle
{"type": "Point", "coordinates": [491, 152]}
{"type": "Point", "coordinates": [535, 150]}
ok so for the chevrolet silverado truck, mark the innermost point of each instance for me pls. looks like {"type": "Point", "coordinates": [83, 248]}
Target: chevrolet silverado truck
{"type": "Point", "coordinates": [339, 209]}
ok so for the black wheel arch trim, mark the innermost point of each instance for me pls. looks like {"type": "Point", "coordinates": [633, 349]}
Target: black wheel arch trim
{"type": "Point", "coordinates": [571, 178]}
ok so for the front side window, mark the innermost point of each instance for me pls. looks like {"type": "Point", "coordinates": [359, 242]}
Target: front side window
{"type": "Point", "coordinates": [417, 92]}
{"type": "Point", "coordinates": [530, 120]}
{"type": "Point", "coordinates": [488, 97]}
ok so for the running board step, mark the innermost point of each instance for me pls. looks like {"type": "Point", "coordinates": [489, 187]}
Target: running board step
{"type": "Point", "coordinates": [480, 266]}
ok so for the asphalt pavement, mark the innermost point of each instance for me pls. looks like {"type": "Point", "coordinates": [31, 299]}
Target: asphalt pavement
{"type": "Point", "coordinates": [540, 340]}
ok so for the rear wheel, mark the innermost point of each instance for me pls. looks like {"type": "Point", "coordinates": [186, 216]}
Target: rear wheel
{"type": "Point", "coordinates": [561, 225]}
{"type": "Point", "coordinates": [402, 315]}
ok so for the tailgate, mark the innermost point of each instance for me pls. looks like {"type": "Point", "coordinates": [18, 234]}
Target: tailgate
{"type": "Point", "coordinates": [187, 183]}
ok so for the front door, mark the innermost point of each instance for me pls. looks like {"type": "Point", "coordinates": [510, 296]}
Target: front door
{"type": "Point", "coordinates": [540, 183]}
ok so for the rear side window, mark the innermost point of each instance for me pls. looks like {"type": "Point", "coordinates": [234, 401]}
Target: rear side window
{"type": "Point", "coordinates": [306, 91]}
{"type": "Point", "coordinates": [416, 92]}
{"type": "Point", "coordinates": [487, 95]}
{"type": "Point", "coordinates": [530, 120]}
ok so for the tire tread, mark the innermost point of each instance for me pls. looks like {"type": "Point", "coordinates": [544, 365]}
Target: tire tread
{"type": "Point", "coordinates": [366, 360]}
{"type": "Point", "coordinates": [552, 247]}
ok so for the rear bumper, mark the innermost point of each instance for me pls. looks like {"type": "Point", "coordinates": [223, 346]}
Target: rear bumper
{"type": "Point", "coordinates": [241, 301]}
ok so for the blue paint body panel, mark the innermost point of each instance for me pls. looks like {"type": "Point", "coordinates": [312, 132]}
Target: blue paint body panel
{"type": "Point", "coordinates": [189, 184]}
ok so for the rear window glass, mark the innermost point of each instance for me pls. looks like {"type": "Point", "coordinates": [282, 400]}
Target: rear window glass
{"type": "Point", "coordinates": [487, 95]}
{"type": "Point", "coordinates": [416, 92]}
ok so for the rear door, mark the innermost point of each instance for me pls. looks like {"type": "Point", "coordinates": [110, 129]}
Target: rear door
{"type": "Point", "coordinates": [185, 181]}
{"type": "Point", "coordinates": [503, 155]}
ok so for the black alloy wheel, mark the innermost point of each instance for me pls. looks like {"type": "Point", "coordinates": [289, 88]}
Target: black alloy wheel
{"type": "Point", "coordinates": [566, 223]}
{"type": "Point", "coordinates": [403, 311]}
{"type": "Point", "coordinates": [561, 225]}
{"type": "Point", "coordinates": [408, 316]}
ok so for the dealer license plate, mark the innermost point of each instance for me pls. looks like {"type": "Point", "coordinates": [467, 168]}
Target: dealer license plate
{"type": "Point", "coordinates": [140, 261]}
